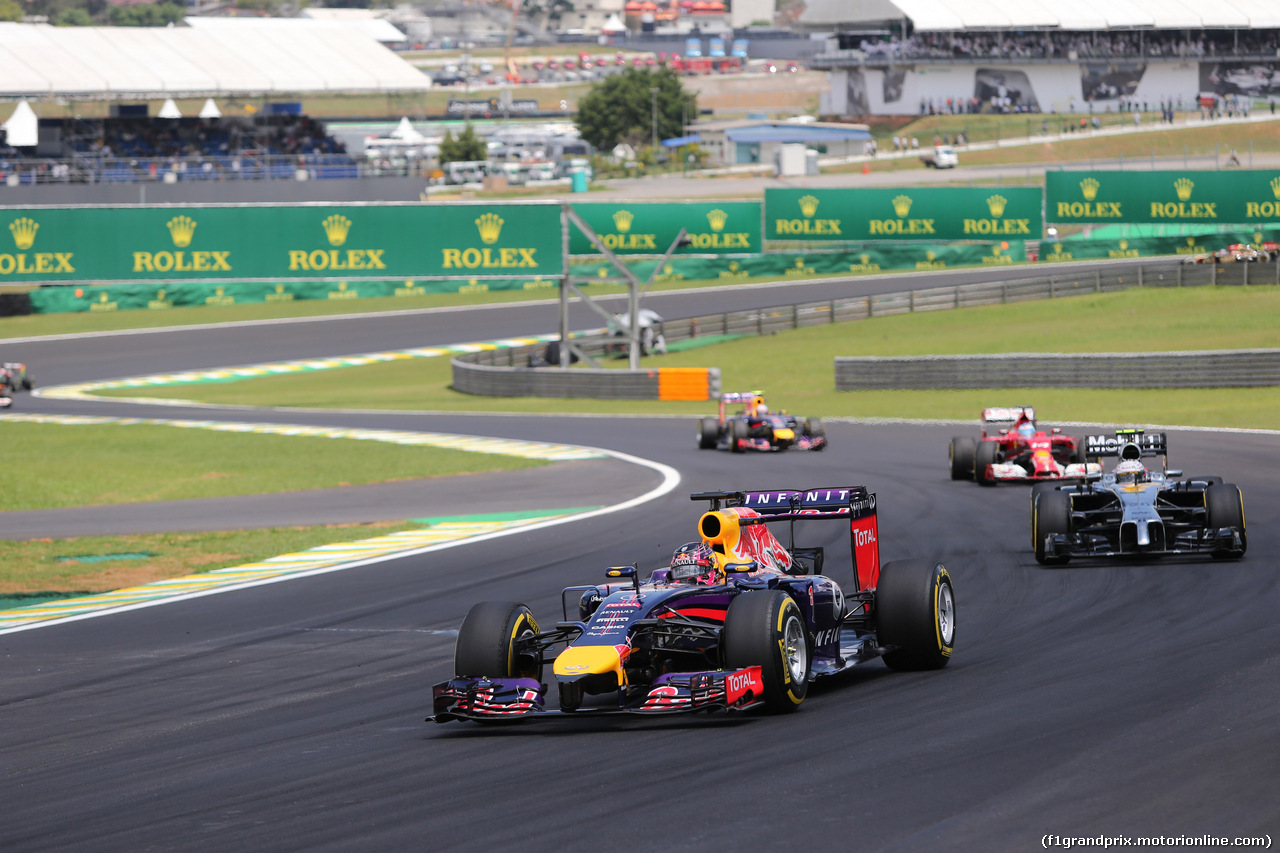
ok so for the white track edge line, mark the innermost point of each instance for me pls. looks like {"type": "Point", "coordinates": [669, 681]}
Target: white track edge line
{"type": "Point", "coordinates": [670, 480]}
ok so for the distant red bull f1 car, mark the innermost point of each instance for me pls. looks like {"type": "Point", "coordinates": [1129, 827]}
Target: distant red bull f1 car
{"type": "Point", "coordinates": [13, 378]}
{"type": "Point", "coordinates": [756, 428]}
{"type": "Point", "coordinates": [738, 621]}
{"type": "Point", "coordinates": [1014, 449]}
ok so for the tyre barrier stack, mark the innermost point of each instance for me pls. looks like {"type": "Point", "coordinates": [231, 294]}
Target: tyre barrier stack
{"type": "Point", "coordinates": [1191, 369]}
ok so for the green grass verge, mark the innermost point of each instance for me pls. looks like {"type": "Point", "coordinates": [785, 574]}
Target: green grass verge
{"type": "Point", "coordinates": [796, 367]}
{"type": "Point", "coordinates": [34, 570]}
{"type": "Point", "coordinates": [111, 464]}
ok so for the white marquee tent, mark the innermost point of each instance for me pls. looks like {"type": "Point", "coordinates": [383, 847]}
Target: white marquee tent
{"type": "Point", "coordinates": [81, 63]}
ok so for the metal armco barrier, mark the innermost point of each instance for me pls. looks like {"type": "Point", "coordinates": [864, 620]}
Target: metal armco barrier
{"type": "Point", "coordinates": [1203, 369]}
{"type": "Point", "coordinates": [767, 321]}
{"type": "Point", "coordinates": [505, 373]}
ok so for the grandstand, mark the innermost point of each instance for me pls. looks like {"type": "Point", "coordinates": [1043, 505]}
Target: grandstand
{"type": "Point", "coordinates": [895, 57]}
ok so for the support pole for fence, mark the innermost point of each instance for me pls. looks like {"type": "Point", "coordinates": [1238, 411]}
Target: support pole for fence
{"type": "Point", "coordinates": [1246, 273]}
{"type": "Point", "coordinates": [795, 316]}
{"type": "Point", "coordinates": [833, 302]}
{"type": "Point", "coordinates": [911, 304]}
{"type": "Point", "coordinates": [955, 293]}
{"type": "Point", "coordinates": [1097, 282]}
{"type": "Point", "coordinates": [1139, 275]}
{"type": "Point", "coordinates": [1179, 275]}
{"type": "Point", "coordinates": [1052, 294]}
{"type": "Point", "coordinates": [1004, 292]}
{"type": "Point", "coordinates": [1213, 275]}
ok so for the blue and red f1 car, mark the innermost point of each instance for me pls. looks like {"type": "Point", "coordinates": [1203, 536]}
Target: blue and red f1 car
{"type": "Point", "coordinates": [754, 427]}
{"type": "Point", "coordinates": [737, 622]}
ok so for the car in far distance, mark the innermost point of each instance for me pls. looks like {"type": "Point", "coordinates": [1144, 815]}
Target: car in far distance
{"type": "Point", "coordinates": [13, 378]}
{"type": "Point", "coordinates": [754, 427]}
{"type": "Point", "coordinates": [1237, 252]}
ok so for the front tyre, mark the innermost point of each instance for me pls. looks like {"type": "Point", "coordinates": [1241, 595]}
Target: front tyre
{"type": "Point", "coordinates": [1050, 514]}
{"type": "Point", "coordinates": [916, 614]}
{"type": "Point", "coordinates": [1226, 509]}
{"type": "Point", "coordinates": [488, 642]}
{"type": "Point", "coordinates": [766, 629]}
{"type": "Point", "coordinates": [961, 453]}
{"type": "Point", "coordinates": [987, 454]}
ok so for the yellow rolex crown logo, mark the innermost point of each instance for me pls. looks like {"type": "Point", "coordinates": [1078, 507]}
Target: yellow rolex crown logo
{"type": "Point", "coordinates": [622, 220]}
{"type": "Point", "coordinates": [930, 255]}
{"type": "Point", "coordinates": [279, 288]}
{"type": "Point", "coordinates": [808, 205]}
{"type": "Point", "coordinates": [1191, 241]}
{"type": "Point", "coordinates": [1183, 186]}
{"type": "Point", "coordinates": [717, 218]}
{"type": "Point", "coordinates": [1124, 244]}
{"type": "Point", "coordinates": [160, 296]}
{"type": "Point", "coordinates": [902, 205]}
{"type": "Point", "coordinates": [1275, 187]}
{"type": "Point", "coordinates": [996, 251]}
{"type": "Point", "coordinates": [24, 232]}
{"type": "Point", "coordinates": [1257, 236]}
{"type": "Point", "coordinates": [866, 259]}
{"type": "Point", "coordinates": [182, 229]}
{"type": "Point", "coordinates": [733, 266]}
{"type": "Point", "coordinates": [336, 228]}
{"type": "Point", "coordinates": [996, 205]}
{"type": "Point", "coordinates": [490, 225]}
{"type": "Point", "coordinates": [799, 263]}
{"type": "Point", "coordinates": [1089, 187]}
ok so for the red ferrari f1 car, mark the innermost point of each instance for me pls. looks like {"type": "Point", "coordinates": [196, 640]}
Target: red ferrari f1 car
{"type": "Point", "coordinates": [737, 621]}
{"type": "Point", "coordinates": [1014, 449]}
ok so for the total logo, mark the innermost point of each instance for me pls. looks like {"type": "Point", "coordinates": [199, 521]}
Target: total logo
{"type": "Point", "coordinates": [336, 229]}
{"type": "Point", "coordinates": [24, 230]}
{"type": "Point", "coordinates": [182, 230]}
{"type": "Point", "coordinates": [489, 226]}
{"type": "Point", "coordinates": [864, 537]}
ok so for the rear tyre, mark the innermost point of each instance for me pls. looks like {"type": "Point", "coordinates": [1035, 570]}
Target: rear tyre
{"type": "Point", "coordinates": [1077, 455]}
{"type": "Point", "coordinates": [487, 641]}
{"type": "Point", "coordinates": [916, 614]}
{"type": "Point", "coordinates": [1226, 509]}
{"type": "Point", "coordinates": [708, 433]}
{"type": "Point", "coordinates": [961, 453]}
{"type": "Point", "coordinates": [738, 433]}
{"type": "Point", "coordinates": [766, 629]}
{"type": "Point", "coordinates": [987, 454]}
{"type": "Point", "coordinates": [1050, 513]}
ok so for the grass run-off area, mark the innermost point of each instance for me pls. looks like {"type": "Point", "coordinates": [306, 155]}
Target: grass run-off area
{"type": "Point", "coordinates": [796, 368]}
{"type": "Point", "coordinates": [54, 466]}
{"type": "Point", "coordinates": [39, 569]}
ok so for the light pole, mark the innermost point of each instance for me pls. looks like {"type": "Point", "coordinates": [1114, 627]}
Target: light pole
{"type": "Point", "coordinates": [653, 93]}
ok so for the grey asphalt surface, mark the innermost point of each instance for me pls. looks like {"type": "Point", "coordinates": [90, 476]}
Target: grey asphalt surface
{"type": "Point", "coordinates": [1114, 698]}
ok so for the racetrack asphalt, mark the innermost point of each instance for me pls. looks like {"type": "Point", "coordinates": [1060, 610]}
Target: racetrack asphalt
{"type": "Point", "coordinates": [1113, 698]}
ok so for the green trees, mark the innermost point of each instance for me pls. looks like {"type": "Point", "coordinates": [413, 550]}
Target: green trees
{"type": "Point", "coordinates": [10, 10]}
{"type": "Point", "coordinates": [467, 146]}
{"type": "Point", "coordinates": [621, 109]}
{"type": "Point", "coordinates": [146, 15]}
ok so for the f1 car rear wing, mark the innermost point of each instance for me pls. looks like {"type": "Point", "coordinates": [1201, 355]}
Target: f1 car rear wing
{"type": "Point", "coordinates": [1008, 415]}
{"type": "Point", "coordinates": [1147, 444]}
{"type": "Point", "coordinates": [730, 397]}
{"type": "Point", "coordinates": [854, 503]}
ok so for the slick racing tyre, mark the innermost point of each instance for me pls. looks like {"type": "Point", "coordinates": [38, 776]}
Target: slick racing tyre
{"type": "Point", "coordinates": [1050, 513]}
{"type": "Point", "coordinates": [986, 454]}
{"type": "Point", "coordinates": [765, 629]}
{"type": "Point", "coordinates": [487, 642]}
{"type": "Point", "coordinates": [916, 614]}
{"type": "Point", "coordinates": [961, 452]}
{"type": "Point", "coordinates": [708, 433]}
{"type": "Point", "coordinates": [1226, 509]}
{"type": "Point", "coordinates": [737, 434]}
{"type": "Point", "coordinates": [814, 429]}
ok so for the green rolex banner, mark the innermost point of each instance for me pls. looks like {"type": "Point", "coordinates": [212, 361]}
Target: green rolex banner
{"type": "Point", "coordinates": [229, 242]}
{"type": "Point", "coordinates": [649, 228]}
{"type": "Point", "coordinates": [903, 213]}
{"type": "Point", "coordinates": [1187, 196]}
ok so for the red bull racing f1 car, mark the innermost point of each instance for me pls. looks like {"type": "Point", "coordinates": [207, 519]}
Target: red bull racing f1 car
{"type": "Point", "coordinates": [738, 621]}
{"type": "Point", "coordinates": [756, 428]}
{"type": "Point", "coordinates": [1014, 449]}
{"type": "Point", "coordinates": [13, 378]}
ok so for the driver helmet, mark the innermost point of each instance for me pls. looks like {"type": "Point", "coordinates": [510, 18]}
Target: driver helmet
{"type": "Point", "coordinates": [1026, 429]}
{"type": "Point", "coordinates": [693, 563]}
{"type": "Point", "coordinates": [761, 408]}
{"type": "Point", "coordinates": [1130, 471]}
